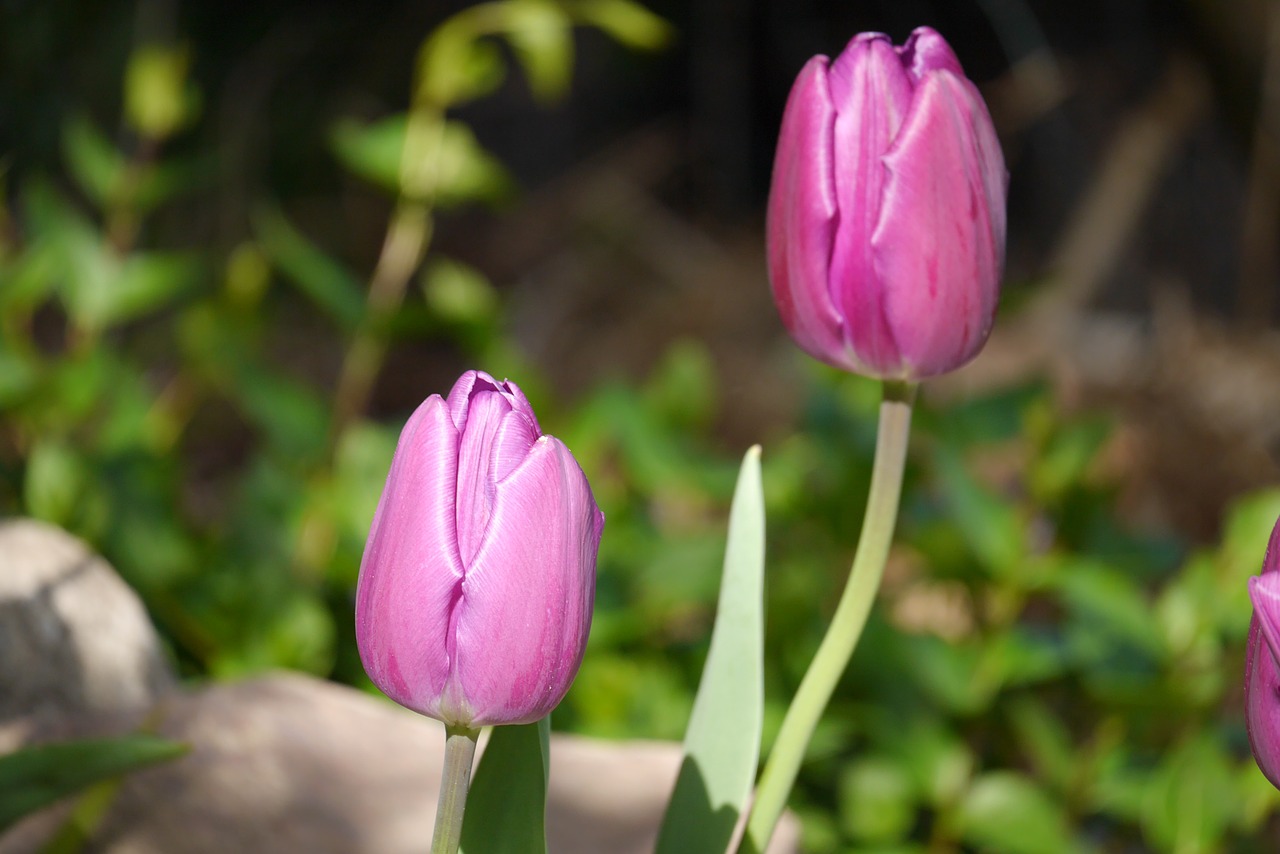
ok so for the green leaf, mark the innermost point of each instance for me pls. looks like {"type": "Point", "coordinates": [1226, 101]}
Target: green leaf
{"type": "Point", "coordinates": [158, 101]}
{"type": "Point", "coordinates": [722, 744]}
{"type": "Point", "coordinates": [1192, 800]}
{"type": "Point", "coordinates": [372, 150]}
{"type": "Point", "coordinates": [448, 164]}
{"type": "Point", "coordinates": [35, 777]}
{"type": "Point", "coordinates": [991, 526]}
{"type": "Point", "coordinates": [628, 23]}
{"type": "Point", "coordinates": [456, 64]}
{"type": "Point", "coordinates": [1104, 599]}
{"type": "Point", "coordinates": [1006, 813]}
{"type": "Point", "coordinates": [19, 376]}
{"type": "Point", "coordinates": [877, 801]}
{"type": "Point", "coordinates": [507, 805]}
{"type": "Point", "coordinates": [328, 284]}
{"type": "Point", "coordinates": [458, 293]}
{"type": "Point", "coordinates": [92, 160]}
{"type": "Point", "coordinates": [54, 482]}
{"type": "Point", "coordinates": [1044, 739]}
{"type": "Point", "coordinates": [539, 33]}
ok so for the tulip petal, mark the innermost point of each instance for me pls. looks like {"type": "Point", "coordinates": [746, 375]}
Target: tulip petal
{"type": "Point", "coordinates": [527, 597]}
{"type": "Point", "coordinates": [802, 217]}
{"type": "Point", "coordinates": [475, 489]}
{"type": "Point", "coordinates": [926, 50]}
{"type": "Point", "coordinates": [460, 395]}
{"type": "Point", "coordinates": [1262, 678]}
{"type": "Point", "coordinates": [872, 94]}
{"type": "Point", "coordinates": [939, 241]}
{"type": "Point", "coordinates": [411, 574]}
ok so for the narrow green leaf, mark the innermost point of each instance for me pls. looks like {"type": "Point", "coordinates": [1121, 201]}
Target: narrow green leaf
{"type": "Point", "coordinates": [722, 743]}
{"type": "Point", "coordinates": [35, 777]}
{"type": "Point", "coordinates": [326, 282]}
{"type": "Point", "coordinates": [1006, 813]}
{"type": "Point", "coordinates": [628, 23]}
{"type": "Point", "coordinates": [539, 32]}
{"type": "Point", "coordinates": [507, 806]}
{"type": "Point", "coordinates": [92, 160]}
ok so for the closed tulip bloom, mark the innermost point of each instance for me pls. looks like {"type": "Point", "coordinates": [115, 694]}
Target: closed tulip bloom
{"type": "Point", "coordinates": [478, 578]}
{"type": "Point", "coordinates": [1262, 678]}
{"type": "Point", "coordinates": [886, 221]}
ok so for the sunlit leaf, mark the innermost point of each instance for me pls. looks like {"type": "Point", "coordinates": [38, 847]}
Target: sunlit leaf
{"type": "Point", "coordinates": [539, 31]}
{"type": "Point", "coordinates": [722, 743]}
{"type": "Point", "coordinates": [507, 805]}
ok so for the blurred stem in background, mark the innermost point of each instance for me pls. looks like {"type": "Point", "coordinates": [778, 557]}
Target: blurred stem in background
{"type": "Point", "coordinates": [832, 658]}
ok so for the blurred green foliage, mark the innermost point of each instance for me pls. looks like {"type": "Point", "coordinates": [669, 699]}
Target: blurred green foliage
{"type": "Point", "coordinates": [1037, 677]}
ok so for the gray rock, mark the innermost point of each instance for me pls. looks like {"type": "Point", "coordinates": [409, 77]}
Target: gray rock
{"type": "Point", "coordinates": [73, 635]}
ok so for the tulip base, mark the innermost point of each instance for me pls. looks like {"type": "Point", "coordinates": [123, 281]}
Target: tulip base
{"type": "Point", "coordinates": [459, 752]}
{"type": "Point", "coordinates": [850, 618]}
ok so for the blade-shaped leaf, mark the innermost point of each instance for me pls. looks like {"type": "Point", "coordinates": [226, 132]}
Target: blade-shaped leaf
{"type": "Point", "coordinates": [507, 805]}
{"type": "Point", "coordinates": [722, 743]}
{"type": "Point", "coordinates": [34, 777]}
{"type": "Point", "coordinates": [322, 279]}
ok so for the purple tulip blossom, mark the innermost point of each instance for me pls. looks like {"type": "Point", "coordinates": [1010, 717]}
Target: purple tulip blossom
{"type": "Point", "coordinates": [478, 578]}
{"type": "Point", "coordinates": [886, 229]}
{"type": "Point", "coordinates": [1262, 678]}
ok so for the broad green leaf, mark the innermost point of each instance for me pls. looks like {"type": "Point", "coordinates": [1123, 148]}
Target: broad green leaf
{"type": "Point", "coordinates": [539, 33]}
{"type": "Point", "coordinates": [722, 743]}
{"type": "Point", "coordinates": [628, 23]}
{"type": "Point", "coordinates": [507, 805]}
{"type": "Point", "coordinates": [1006, 813]}
{"type": "Point", "coordinates": [35, 777]}
{"type": "Point", "coordinates": [372, 150]}
{"type": "Point", "coordinates": [323, 280]}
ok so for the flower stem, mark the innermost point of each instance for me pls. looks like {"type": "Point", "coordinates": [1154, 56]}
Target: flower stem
{"type": "Point", "coordinates": [455, 779]}
{"type": "Point", "coordinates": [850, 618]}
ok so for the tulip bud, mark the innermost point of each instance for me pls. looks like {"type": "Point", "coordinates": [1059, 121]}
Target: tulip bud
{"type": "Point", "coordinates": [1261, 676]}
{"type": "Point", "coordinates": [478, 578]}
{"type": "Point", "coordinates": [886, 222]}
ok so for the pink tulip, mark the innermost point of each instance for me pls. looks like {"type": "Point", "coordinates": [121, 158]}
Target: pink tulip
{"type": "Point", "coordinates": [1262, 679]}
{"type": "Point", "coordinates": [887, 211]}
{"type": "Point", "coordinates": [478, 579]}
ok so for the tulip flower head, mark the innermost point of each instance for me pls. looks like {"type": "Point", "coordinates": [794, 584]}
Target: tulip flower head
{"type": "Point", "coordinates": [1262, 676]}
{"type": "Point", "coordinates": [478, 579]}
{"type": "Point", "coordinates": [886, 221]}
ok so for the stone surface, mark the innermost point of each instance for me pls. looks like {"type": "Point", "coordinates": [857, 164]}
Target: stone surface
{"type": "Point", "coordinates": [73, 635]}
{"type": "Point", "coordinates": [290, 763]}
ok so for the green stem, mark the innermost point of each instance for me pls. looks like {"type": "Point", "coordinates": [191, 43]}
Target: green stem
{"type": "Point", "coordinates": [837, 647]}
{"type": "Point", "coordinates": [455, 779]}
